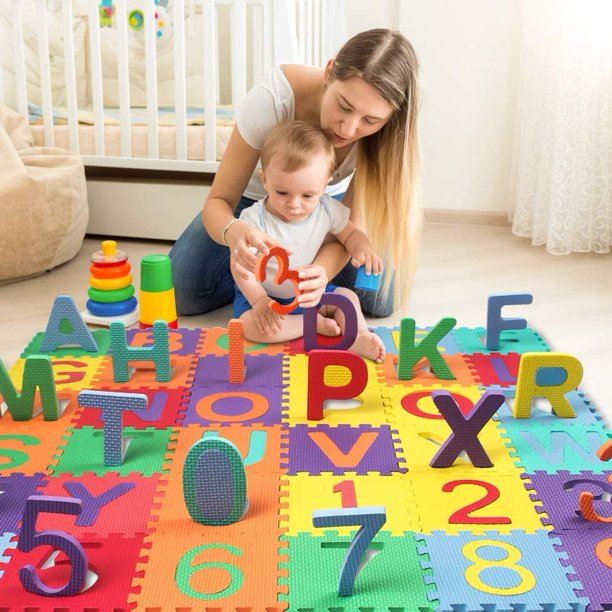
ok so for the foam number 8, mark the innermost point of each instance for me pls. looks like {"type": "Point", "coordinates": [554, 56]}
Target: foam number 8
{"type": "Point", "coordinates": [283, 274]}
{"type": "Point", "coordinates": [472, 573]}
{"type": "Point", "coordinates": [185, 570]}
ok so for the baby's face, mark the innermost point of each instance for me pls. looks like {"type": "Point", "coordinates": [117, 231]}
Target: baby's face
{"type": "Point", "coordinates": [292, 196]}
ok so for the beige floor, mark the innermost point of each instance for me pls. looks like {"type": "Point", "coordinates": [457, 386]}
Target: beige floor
{"type": "Point", "coordinates": [460, 266]}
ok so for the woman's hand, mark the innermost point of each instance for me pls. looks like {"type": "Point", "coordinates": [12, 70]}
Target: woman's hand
{"type": "Point", "coordinates": [267, 321]}
{"type": "Point", "coordinates": [246, 243]}
{"type": "Point", "coordinates": [313, 280]}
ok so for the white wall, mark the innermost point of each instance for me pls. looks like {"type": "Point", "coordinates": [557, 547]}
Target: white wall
{"type": "Point", "coordinates": [468, 50]}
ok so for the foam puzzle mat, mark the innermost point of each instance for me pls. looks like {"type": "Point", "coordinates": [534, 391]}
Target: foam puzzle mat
{"type": "Point", "coordinates": [509, 537]}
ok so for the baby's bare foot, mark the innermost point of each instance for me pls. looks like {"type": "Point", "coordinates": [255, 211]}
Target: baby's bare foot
{"type": "Point", "coordinates": [327, 327]}
{"type": "Point", "coordinates": [369, 345]}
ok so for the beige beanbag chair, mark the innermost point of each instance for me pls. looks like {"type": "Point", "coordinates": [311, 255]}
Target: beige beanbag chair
{"type": "Point", "coordinates": [43, 202]}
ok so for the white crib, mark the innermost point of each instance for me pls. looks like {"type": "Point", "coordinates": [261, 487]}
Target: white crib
{"type": "Point", "coordinates": [150, 84]}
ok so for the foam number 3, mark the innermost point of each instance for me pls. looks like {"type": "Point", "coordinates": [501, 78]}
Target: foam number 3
{"type": "Point", "coordinates": [510, 561]}
{"type": "Point", "coordinates": [30, 539]}
{"type": "Point", "coordinates": [370, 519]}
{"type": "Point", "coordinates": [283, 274]}
{"type": "Point", "coordinates": [586, 498]}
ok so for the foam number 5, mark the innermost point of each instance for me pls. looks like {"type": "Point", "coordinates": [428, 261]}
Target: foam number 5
{"type": "Point", "coordinates": [472, 573]}
{"type": "Point", "coordinates": [586, 498]}
{"type": "Point", "coordinates": [283, 274]}
{"type": "Point", "coordinates": [30, 539]}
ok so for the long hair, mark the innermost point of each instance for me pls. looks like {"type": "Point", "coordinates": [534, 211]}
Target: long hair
{"type": "Point", "coordinates": [388, 166]}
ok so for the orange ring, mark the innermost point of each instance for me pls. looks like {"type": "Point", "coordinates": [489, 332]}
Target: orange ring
{"type": "Point", "coordinates": [110, 271]}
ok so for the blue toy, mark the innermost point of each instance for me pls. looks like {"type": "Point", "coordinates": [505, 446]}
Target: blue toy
{"type": "Point", "coordinates": [367, 282]}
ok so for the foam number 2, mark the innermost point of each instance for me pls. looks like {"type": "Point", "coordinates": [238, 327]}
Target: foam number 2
{"type": "Point", "coordinates": [463, 516]}
{"type": "Point", "coordinates": [283, 274]}
{"type": "Point", "coordinates": [370, 519]}
{"type": "Point", "coordinates": [510, 561]}
{"type": "Point", "coordinates": [30, 539]}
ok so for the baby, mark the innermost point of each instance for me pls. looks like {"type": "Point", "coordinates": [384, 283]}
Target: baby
{"type": "Point", "coordinates": [297, 160]}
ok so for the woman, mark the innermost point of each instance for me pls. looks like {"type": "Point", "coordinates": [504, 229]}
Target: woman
{"type": "Point", "coordinates": [366, 98]}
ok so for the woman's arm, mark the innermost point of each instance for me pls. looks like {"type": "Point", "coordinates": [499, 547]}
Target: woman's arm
{"type": "Point", "coordinates": [231, 179]}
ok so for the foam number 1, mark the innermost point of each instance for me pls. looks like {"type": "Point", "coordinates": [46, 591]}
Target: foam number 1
{"type": "Point", "coordinates": [30, 539]}
{"type": "Point", "coordinates": [370, 519]}
{"type": "Point", "coordinates": [283, 274]}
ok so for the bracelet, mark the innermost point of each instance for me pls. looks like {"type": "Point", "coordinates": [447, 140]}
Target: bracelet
{"type": "Point", "coordinates": [225, 231]}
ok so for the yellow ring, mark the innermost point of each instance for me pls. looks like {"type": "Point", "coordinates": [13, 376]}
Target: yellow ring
{"type": "Point", "coordinates": [110, 284]}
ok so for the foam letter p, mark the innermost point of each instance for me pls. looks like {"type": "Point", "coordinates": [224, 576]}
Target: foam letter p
{"type": "Point", "coordinates": [549, 375]}
{"type": "Point", "coordinates": [318, 391]}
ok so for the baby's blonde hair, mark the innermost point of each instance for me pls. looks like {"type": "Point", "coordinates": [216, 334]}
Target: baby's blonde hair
{"type": "Point", "coordinates": [297, 142]}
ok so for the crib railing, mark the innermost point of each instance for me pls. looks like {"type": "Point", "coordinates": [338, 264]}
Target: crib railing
{"type": "Point", "coordinates": [237, 42]}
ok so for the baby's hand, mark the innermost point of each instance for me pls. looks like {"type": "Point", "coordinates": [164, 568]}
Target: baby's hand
{"type": "Point", "coordinates": [268, 322]}
{"type": "Point", "coordinates": [313, 280]}
{"type": "Point", "coordinates": [370, 260]}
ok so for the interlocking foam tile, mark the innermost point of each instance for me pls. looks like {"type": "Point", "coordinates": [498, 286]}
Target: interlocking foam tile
{"type": "Point", "coordinates": [8, 541]}
{"type": "Point", "coordinates": [423, 376]}
{"type": "Point", "coordinates": [469, 499]}
{"type": "Point", "coordinates": [144, 375]}
{"type": "Point", "coordinates": [264, 371]}
{"type": "Point", "coordinates": [163, 410]}
{"type": "Point", "coordinates": [16, 489]}
{"type": "Point", "coordinates": [101, 336]}
{"type": "Point", "coordinates": [112, 561]}
{"type": "Point", "coordinates": [494, 368]}
{"type": "Point", "coordinates": [563, 446]}
{"type": "Point", "coordinates": [391, 580]}
{"type": "Point", "coordinates": [558, 496]}
{"type": "Point", "coordinates": [216, 342]}
{"type": "Point", "coordinates": [473, 340]}
{"type": "Point", "coordinates": [422, 430]}
{"type": "Point", "coordinates": [233, 567]}
{"type": "Point", "coordinates": [111, 503]}
{"type": "Point", "coordinates": [304, 494]}
{"type": "Point", "coordinates": [367, 407]}
{"type": "Point", "coordinates": [589, 553]}
{"type": "Point", "coordinates": [181, 341]}
{"type": "Point", "coordinates": [29, 445]}
{"type": "Point", "coordinates": [206, 406]}
{"type": "Point", "coordinates": [502, 571]}
{"type": "Point", "coordinates": [69, 373]}
{"type": "Point", "coordinates": [391, 339]}
{"type": "Point", "coordinates": [83, 451]}
{"type": "Point", "coordinates": [342, 449]}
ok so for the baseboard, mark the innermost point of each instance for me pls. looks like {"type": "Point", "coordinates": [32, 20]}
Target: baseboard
{"type": "Point", "coordinates": [466, 217]}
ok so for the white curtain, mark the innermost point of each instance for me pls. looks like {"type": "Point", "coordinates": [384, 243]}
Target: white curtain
{"type": "Point", "coordinates": [562, 179]}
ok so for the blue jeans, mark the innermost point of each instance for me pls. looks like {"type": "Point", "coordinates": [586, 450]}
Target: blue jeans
{"type": "Point", "coordinates": [203, 281]}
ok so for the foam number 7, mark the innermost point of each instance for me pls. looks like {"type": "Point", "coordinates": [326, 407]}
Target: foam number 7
{"type": "Point", "coordinates": [283, 274]}
{"type": "Point", "coordinates": [30, 539]}
{"type": "Point", "coordinates": [370, 519]}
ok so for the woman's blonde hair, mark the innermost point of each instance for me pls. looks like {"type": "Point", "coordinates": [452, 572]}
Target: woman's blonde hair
{"type": "Point", "coordinates": [298, 142]}
{"type": "Point", "coordinates": [388, 166]}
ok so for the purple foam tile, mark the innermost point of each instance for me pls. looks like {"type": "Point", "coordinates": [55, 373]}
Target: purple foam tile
{"type": "Point", "coordinates": [16, 489]}
{"type": "Point", "coordinates": [261, 371]}
{"type": "Point", "coordinates": [558, 495]}
{"type": "Point", "coordinates": [181, 341]}
{"type": "Point", "coordinates": [590, 555]}
{"type": "Point", "coordinates": [228, 405]}
{"type": "Point", "coordinates": [342, 449]}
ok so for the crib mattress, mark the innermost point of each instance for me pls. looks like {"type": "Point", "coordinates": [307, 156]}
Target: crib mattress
{"type": "Point", "coordinates": [139, 134]}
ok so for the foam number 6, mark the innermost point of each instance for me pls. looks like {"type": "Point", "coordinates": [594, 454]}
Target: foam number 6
{"type": "Point", "coordinates": [30, 539]}
{"type": "Point", "coordinates": [283, 274]}
{"type": "Point", "coordinates": [472, 573]}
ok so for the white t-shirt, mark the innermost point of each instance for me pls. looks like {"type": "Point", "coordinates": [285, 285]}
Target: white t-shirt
{"type": "Point", "coordinates": [266, 105]}
{"type": "Point", "coordinates": [303, 238]}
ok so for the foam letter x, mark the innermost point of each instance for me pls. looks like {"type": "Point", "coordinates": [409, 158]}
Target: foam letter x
{"type": "Point", "coordinates": [465, 429]}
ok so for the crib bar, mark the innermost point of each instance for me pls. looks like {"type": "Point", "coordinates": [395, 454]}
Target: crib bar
{"type": "Point", "coordinates": [310, 32]}
{"type": "Point", "coordinates": [71, 98]}
{"type": "Point", "coordinates": [301, 29]}
{"type": "Point", "coordinates": [267, 29]}
{"type": "Point", "coordinates": [95, 54]}
{"type": "Point", "coordinates": [150, 27]}
{"type": "Point", "coordinates": [180, 92]}
{"type": "Point", "coordinates": [123, 78]}
{"type": "Point", "coordinates": [22, 94]}
{"type": "Point", "coordinates": [316, 35]}
{"type": "Point", "coordinates": [45, 73]}
{"type": "Point", "coordinates": [210, 73]}
{"type": "Point", "coordinates": [239, 59]}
